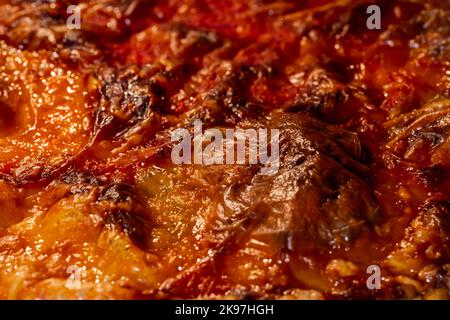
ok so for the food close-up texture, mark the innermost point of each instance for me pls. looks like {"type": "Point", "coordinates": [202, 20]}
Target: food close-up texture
{"type": "Point", "coordinates": [87, 182]}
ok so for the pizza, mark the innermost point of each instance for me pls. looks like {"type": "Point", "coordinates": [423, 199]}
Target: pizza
{"type": "Point", "coordinates": [205, 149]}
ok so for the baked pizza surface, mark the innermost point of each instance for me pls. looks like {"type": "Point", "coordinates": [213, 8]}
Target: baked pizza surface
{"type": "Point", "coordinates": [89, 189]}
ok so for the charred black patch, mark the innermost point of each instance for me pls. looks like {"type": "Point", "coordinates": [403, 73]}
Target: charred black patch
{"type": "Point", "coordinates": [124, 209]}
{"type": "Point", "coordinates": [129, 99]}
